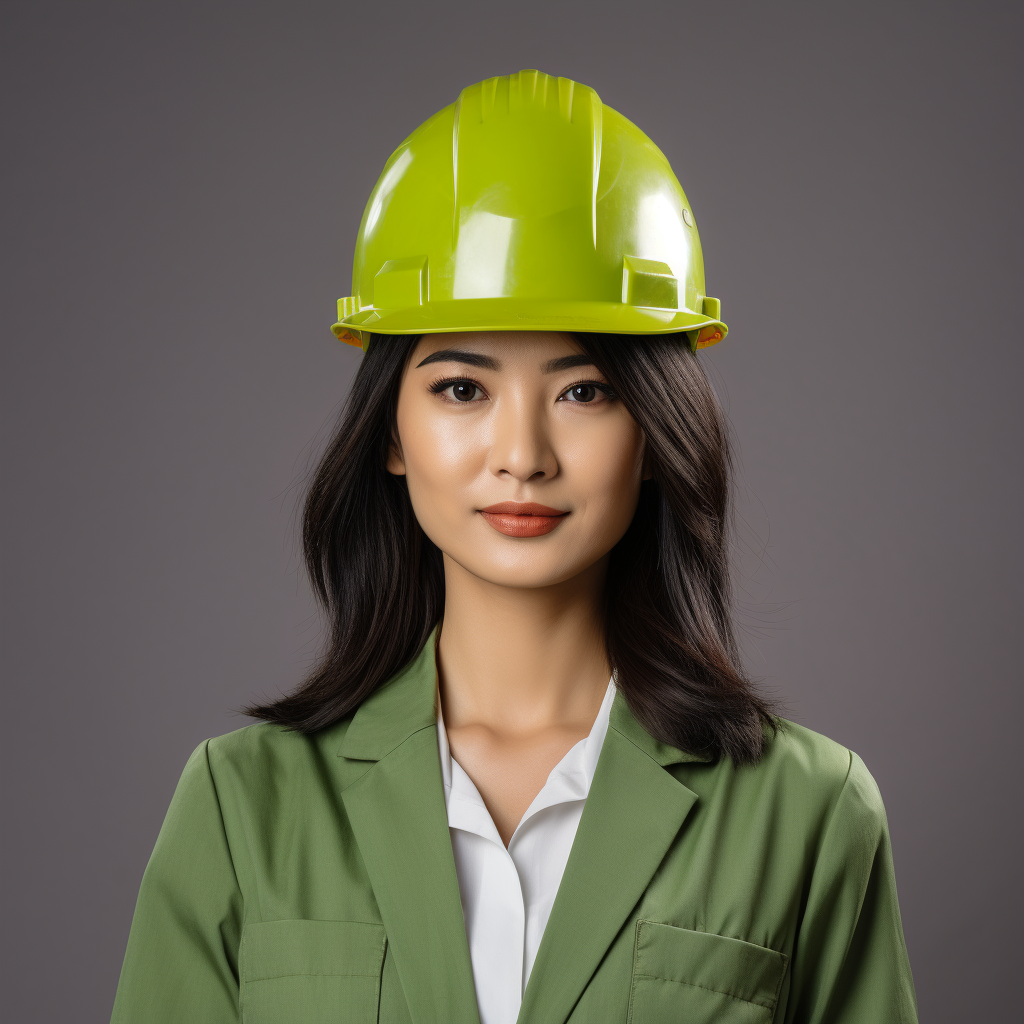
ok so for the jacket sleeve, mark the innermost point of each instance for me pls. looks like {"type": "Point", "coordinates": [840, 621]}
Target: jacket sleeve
{"type": "Point", "coordinates": [182, 958]}
{"type": "Point", "coordinates": [850, 963]}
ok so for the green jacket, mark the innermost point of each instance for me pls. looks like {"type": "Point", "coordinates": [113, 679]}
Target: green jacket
{"type": "Point", "coordinates": [310, 879]}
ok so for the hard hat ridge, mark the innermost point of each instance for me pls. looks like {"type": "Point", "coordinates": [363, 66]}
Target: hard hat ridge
{"type": "Point", "coordinates": [528, 205]}
{"type": "Point", "coordinates": [525, 89]}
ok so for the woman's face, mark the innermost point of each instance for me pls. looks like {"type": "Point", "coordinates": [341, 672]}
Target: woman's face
{"type": "Point", "coordinates": [522, 465]}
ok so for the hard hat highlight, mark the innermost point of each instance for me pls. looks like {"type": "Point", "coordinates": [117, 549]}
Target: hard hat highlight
{"type": "Point", "coordinates": [528, 205]}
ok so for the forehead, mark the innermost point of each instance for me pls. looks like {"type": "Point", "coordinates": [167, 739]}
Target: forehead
{"type": "Point", "coordinates": [507, 348]}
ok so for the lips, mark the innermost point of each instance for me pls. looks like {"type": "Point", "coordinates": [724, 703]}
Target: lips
{"type": "Point", "coordinates": [522, 518]}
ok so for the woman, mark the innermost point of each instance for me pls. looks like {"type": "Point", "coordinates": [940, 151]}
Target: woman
{"type": "Point", "coordinates": [529, 780]}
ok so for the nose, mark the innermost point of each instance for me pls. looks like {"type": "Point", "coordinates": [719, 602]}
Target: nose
{"type": "Point", "coordinates": [521, 447]}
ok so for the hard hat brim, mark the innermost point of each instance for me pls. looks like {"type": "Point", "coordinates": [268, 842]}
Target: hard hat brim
{"type": "Point", "coordinates": [516, 314]}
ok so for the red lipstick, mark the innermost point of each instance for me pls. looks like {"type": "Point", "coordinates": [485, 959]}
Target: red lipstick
{"type": "Point", "coordinates": [522, 518]}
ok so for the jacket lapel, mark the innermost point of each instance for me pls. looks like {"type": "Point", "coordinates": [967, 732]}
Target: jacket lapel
{"type": "Point", "coordinates": [395, 804]}
{"type": "Point", "coordinates": [633, 812]}
{"type": "Point", "coordinates": [397, 811]}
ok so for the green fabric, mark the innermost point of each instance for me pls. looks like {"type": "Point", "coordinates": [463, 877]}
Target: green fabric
{"type": "Point", "coordinates": [311, 879]}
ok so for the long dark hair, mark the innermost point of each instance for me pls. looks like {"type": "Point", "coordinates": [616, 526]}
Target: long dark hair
{"type": "Point", "coordinates": [668, 628]}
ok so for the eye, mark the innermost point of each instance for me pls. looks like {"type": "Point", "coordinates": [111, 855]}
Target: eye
{"type": "Point", "coordinates": [587, 392]}
{"type": "Point", "coordinates": [457, 389]}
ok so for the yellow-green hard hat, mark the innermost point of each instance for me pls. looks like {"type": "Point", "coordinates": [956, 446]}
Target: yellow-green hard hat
{"type": "Point", "coordinates": [528, 205]}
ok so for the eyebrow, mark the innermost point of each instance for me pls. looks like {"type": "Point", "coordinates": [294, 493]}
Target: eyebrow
{"type": "Point", "coordinates": [567, 362]}
{"type": "Point", "coordinates": [454, 355]}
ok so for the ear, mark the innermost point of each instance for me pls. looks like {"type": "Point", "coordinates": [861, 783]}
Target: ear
{"type": "Point", "coordinates": [396, 460]}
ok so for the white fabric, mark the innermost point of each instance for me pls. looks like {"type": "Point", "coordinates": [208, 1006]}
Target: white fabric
{"type": "Point", "coordinates": [507, 895]}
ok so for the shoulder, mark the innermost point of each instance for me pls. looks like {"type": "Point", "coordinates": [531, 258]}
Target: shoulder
{"type": "Point", "coordinates": [264, 756]}
{"type": "Point", "coordinates": [804, 757]}
{"type": "Point", "coordinates": [809, 754]}
{"type": "Point", "coordinates": [821, 774]}
{"type": "Point", "coordinates": [804, 781]}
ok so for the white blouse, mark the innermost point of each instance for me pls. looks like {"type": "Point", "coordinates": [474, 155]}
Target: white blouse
{"type": "Point", "coordinates": [507, 895]}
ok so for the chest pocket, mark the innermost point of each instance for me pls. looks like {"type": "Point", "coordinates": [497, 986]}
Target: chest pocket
{"type": "Point", "coordinates": [311, 972]}
{"type": "Point", "coordinates": [681, 975]}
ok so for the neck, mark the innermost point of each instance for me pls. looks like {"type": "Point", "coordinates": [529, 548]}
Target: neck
{"type": "Point", "coordinates": [519, 659]}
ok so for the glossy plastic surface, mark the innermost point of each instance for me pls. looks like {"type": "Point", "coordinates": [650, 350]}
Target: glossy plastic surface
{"type": "Point", "coordinates": [528, 205]}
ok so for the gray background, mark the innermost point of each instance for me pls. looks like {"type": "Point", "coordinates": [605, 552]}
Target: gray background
{"type": "Point", "coordinates": [184, 183]}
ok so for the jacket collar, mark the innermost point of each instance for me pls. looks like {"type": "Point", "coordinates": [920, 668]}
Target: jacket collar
{"type": "Point", "coordinates": [396, 807]}
{"type": "Point", "coordinates": [395, 710]}
{"type": "Point", "coordinates": [406, 703]}
{"type": "Point", "coordinates": [623, 722]}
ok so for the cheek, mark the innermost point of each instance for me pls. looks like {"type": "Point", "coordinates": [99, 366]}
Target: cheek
{"type": "Point", "coordinates": [441, 457]}
{"type": "Point", "coordinates": [606, 467]}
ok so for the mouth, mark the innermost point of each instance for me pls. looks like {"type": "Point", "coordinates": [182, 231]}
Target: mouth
{"type": "Point", "coordinates": [522, 518]}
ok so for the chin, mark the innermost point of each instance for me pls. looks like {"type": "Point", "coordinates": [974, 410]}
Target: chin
{"type": "Point", "coordinates": [523, 573]}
